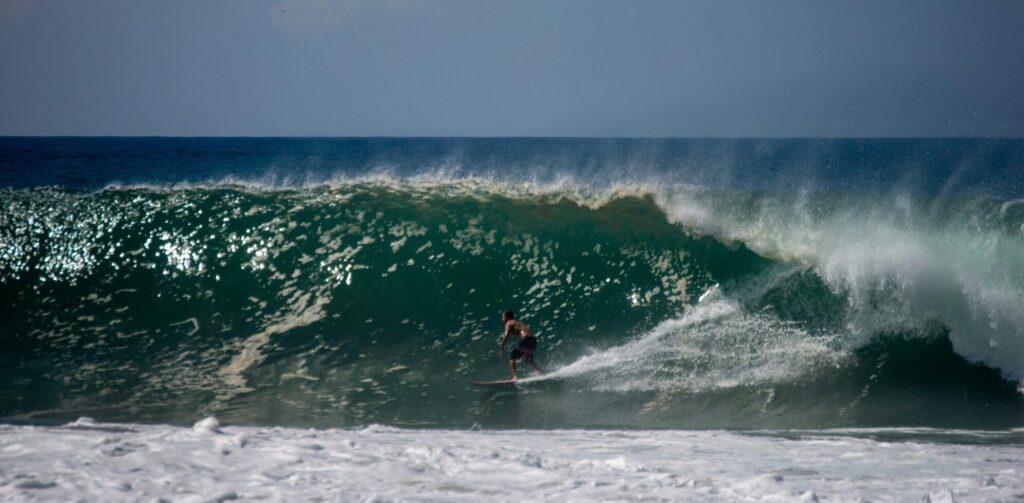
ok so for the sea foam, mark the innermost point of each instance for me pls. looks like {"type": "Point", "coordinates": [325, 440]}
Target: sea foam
{"type": "Point", "coordinates": [148, 462]}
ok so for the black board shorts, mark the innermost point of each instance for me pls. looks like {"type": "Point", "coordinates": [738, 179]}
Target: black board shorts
{"type": "Point", "coordinates": [525, 348]}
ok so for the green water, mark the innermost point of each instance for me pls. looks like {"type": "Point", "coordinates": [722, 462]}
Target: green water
{"type": "Point", "coordinates": [372, 302]}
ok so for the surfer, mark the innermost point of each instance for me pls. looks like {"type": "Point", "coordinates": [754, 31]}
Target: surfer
{"type": "Point", "coordinates": [526, 347]}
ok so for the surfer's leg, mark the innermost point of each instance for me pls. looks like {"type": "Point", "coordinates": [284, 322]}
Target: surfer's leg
{"type": "Point", "coordinates": [529, 361]}
{"type": "Point", "coordinates": [515, 355]}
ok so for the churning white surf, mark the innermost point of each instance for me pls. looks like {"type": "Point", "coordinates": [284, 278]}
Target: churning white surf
{"type": "Point", "coordinates": [91, 461]}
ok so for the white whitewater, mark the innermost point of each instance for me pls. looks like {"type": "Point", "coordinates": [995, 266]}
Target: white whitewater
{"type": "Point", "coordinates": [90, 461]}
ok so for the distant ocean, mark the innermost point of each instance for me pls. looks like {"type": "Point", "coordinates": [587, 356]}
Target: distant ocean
{"type": "Point", "coordinates": [721, 320]}
{"type": "Point", "coordinates": [681, 284]}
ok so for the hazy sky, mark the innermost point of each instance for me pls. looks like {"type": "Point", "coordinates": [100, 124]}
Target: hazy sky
{"type": "Point", "coordinates": [512, 68]}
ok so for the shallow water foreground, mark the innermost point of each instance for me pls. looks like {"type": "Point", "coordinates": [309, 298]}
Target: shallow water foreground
{"type": "Point", "coordinates": [93, 461]}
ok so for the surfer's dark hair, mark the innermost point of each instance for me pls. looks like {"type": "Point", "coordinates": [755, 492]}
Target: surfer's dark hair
{"type": "Point", "coordinates": [508, 314]}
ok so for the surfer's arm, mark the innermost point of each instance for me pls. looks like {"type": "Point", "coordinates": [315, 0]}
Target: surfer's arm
{"type": "Point", "coordinates": [504, 340]}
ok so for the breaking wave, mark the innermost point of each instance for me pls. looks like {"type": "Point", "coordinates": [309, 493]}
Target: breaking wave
{"type": "Point", "coordinates": [375, 299]}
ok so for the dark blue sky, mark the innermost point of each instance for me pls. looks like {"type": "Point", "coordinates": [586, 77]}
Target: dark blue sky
{"type": "Point", "coordinates": [512, 68]}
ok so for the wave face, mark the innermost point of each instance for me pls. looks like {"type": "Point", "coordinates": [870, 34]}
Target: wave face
{"type": "Point", "coordinates": [365, 296]}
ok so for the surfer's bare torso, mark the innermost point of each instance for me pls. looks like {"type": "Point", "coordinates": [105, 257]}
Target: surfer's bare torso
{"type": "Point", "coordinates": [518, 329]}
{"type": "Point", "coordinates": [527, 343]}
